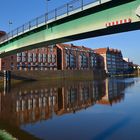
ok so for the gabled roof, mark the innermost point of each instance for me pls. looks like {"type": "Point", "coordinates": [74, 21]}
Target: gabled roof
{"type": "Point", "coordinates": [2, 33]}
{"type": "Point", "coordinates": [71, 46]}
{"type": "Point", "coordinates": [105, 50]}
{"type": "Point", "coordinates": [101, 50]}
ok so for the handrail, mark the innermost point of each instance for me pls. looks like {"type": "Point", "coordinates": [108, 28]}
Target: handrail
{"type": "Point", "coordinates": [67, 9]}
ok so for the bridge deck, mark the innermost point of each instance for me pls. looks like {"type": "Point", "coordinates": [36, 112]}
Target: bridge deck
{"type": "Point", "coordinates": [59, 13]}
{"type": "Point", "coordinates": [91, 20]}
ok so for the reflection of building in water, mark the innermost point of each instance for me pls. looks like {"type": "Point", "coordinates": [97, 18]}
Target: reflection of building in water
{"type": "Point", "coordinates": [30, 106]}
{"type": "Point", "coordinates": [35, 105]}
{"type": "Point", "coordinates": [114, 91]}
{"type": "Point", "coordinates": [77, 97]}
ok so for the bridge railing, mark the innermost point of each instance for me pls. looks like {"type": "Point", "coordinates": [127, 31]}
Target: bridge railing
{"type": "Point", "coordinates": [88, 2]}
{"type": "Point", "coordinates": [58, 13]}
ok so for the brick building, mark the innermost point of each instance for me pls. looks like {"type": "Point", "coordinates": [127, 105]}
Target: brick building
{"type": "Point", "coordinates": [77, 57]}
{"type": "Point", "coordinates": [128, 66]}
{"type": "Point", "coordinates": [113, 60]}
{"type": "Point", "coordinates": [59, 56]}
{"type": "Point", "coordinates": [36, 59]}
{"type": "Point", "coordinates": [2, 33]}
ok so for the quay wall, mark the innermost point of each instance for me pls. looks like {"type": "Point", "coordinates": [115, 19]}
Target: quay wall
{"type": "Point", "coordinates": [137, 72]}
{"type": "Point", "coordinates": [59, 74]}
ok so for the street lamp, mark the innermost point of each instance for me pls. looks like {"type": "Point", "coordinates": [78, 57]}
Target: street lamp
{"type": "Point", "coordinates": [71, 7]}
{"type": "Point", "coordinates": [47, 5]}
{"type": "Point", "coordinates": [9, 23]}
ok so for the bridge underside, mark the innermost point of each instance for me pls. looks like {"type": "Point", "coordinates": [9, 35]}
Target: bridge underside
{"type": "Point", "coordinates": [109, 18]}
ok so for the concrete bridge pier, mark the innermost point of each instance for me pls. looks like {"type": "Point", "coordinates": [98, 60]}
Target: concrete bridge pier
{"type": "Point", "coordinates": [7, 80]}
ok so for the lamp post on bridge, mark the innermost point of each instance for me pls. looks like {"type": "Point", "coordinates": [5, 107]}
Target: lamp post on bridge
{"type": "Point", "coordinates": [47, 1]}
{"type": "Point", "coordinates": [9, 24]}
{"type": "Point", "coordinates": [46, 15]}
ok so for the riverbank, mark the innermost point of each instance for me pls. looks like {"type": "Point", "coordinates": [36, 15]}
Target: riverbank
{"type": "Point", "coordinates": [57, 75]}
{"type": "Point", "coordinates": [125, 75]}
{"type": "Point", "coordinates": [122, 75]}
{"type": "Point", "coordinates": [60, 74]}
{"type": "Point", "coordinates": [50, 76]}
{"type": "Point", "coordinates": [13, 83]}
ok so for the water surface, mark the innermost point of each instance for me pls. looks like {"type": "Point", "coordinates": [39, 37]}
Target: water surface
{"type": "Point", "coordinates": [80, 110]}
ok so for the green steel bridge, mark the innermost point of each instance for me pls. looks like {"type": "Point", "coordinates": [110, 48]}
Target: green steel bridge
{"type": "Point", "coordinates": [76, 20]}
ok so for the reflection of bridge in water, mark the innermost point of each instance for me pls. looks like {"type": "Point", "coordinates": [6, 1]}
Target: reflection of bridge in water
{"type": "Point", "coordinates": [34, 104]}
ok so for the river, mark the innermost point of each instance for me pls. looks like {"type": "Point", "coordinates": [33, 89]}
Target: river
{"type": "Point", "coordinates": [72, 110]}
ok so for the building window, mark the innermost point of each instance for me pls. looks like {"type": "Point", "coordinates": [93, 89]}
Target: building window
{"type": "Point", "coordinates": [92, 61]}
{"type": "Point", "coordinates": [30, 57]}
{"type": "Point", "coordinates": [23, 59]}
{"type": "Point", "coordinates": [80, 61]}
{"type": "Point", "coordinates": [29, 66]}
{"type": "Point", "coordinates": [44, 57]}
{"type": "Point", "coordinates": [18, 66]}
{"type": "Point", "coordinates": [18, 59]}
{"type": "Point", "coordinates": [53, 58]}
{"type": "Point", "coordinates": [84, 61]}
{"type": "Point", "coordinates": [18, 54]}
{"type": "Point", "coordinates": [72, 61]}
{"type": "Point", "coordinates": [23, 66]}
{"type": "Point", "coordinates": [49, 58]}
{"type": "Point", "coordinates": [34, 57]}
{"type": "Point", "coordinates": [40, 57]}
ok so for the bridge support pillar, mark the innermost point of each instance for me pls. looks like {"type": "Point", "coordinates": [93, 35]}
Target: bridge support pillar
{"type": "Point", "coordinates": [7, 80]}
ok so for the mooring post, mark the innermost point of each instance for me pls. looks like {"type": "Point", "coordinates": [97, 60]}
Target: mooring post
{"type": "Point", "coordinates": [7, 80]}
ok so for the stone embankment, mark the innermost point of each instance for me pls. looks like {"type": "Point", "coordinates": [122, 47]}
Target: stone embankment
{"type": "Point", "coordinates": [58, 74]}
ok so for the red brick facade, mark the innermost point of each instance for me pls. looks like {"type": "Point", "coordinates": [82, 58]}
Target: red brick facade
{"type": "Point", "coordinates": [113, 60]}
{"type": "Point", "coordinates": [59, 56]}
{"type": "Point", "coordinates": [76, 57]}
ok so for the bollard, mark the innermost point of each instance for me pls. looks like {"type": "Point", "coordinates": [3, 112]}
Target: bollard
{"type": "Point", "coordinates": [7, 81]}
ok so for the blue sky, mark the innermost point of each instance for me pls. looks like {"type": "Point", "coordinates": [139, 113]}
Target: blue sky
{"type": "Point", "coordinates": [21, 11]}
